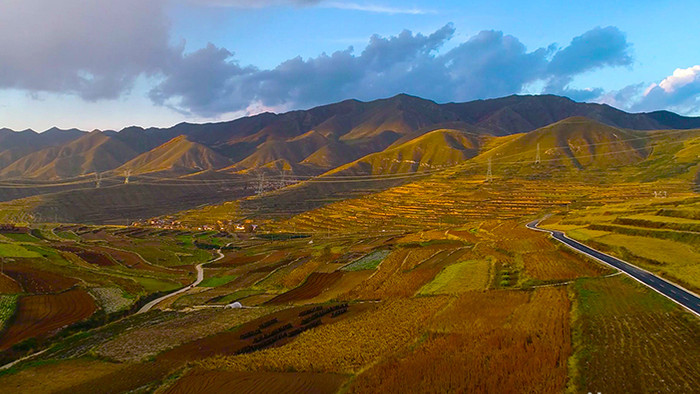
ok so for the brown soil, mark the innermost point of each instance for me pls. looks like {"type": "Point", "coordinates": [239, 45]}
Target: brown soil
{"type": "Point", "coordinates": [42, 315]}
{"type": "Point", "coordinates": [205, 381]}
{"type": "Point", "coordinates": [38, 282]}
{"type": "Point", "coordinates": [314, 285]}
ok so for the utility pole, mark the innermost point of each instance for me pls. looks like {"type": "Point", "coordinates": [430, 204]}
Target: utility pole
{"type": "Point", "coordinates": [538, 158]}
{"type": "Point", "coordinates": [489, 173]}
{"type": "Point", "coordinates": [127, 174]}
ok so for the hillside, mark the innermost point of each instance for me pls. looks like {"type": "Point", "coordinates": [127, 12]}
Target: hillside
{"type": "Point", "coordinates": [15, 145]}
{"type": "Point", "coordinates": [93, 152]}
{"type": "Point", "coordinates": [429, 152]}
{"type": "Point", "coordinates": [575, 142]}
{"type": "Point", "coordinates": [304, 160]}
{"type": "Point", "coordinates": [323, 138]}
{"type": "Point", "coordinates": [178, 156]}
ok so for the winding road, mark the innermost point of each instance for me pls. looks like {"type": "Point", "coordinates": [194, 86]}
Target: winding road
{"type": "Point", "coordinates": [671, 291]}
{"type": "Point", "coordinates": [200, 278]}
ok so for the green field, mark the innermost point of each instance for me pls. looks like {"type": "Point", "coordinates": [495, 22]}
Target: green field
{"type": "Point", "coordinates": [460, 277]}
{"type": "Point", "coordinates": [216, 281]}
{"type": "Point", "coordinates": [14, 250]}
{"type": "Point", "coordinates": [369, 262]}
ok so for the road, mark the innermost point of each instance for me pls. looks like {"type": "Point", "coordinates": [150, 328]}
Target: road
{"type": "Point", "coordinates": [200, 278]}
{"type": "Point", "coordinates": [673, 292]}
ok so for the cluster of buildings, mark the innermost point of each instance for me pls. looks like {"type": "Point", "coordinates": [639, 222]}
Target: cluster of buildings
{"type": "Point", "coordinates": [246, 226]}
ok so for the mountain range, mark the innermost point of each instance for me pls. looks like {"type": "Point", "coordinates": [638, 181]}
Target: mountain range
{"type": "Point", "coordinates": [384, 138]}
{"type": "Point", "coordinates": [303, 142]}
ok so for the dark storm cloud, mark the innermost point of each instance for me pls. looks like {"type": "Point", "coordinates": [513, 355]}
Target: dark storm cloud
{"type": "Point", "coordinates": [489, 64]}
{"type": "Point", "coordinates": [94, 49]}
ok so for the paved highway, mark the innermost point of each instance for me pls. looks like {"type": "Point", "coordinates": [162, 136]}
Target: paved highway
{"type": "Point", "coordinates": [674, 292]}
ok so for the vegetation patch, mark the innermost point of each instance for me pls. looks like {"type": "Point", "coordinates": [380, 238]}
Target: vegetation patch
{"type": "Point", "coordinates": [15, 250]}
{"type": "Point", "coordinates": [111, 299]}
{"type": "Point", "coordinates": [368, 262]}
{"type": "Point", "coordinates": [8, 306]}
{"type": "Point", "coordinates": [216, 281]}
{"type": "Point", "coordinates": [631, 339]}
{"type": "Point", "coordinates": [460, 277]}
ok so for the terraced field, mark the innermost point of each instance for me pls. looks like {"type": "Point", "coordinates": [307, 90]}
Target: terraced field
{"type": "Point", "coordinates": [39, 315]}
{"type": "Point", "coordinates": [624, 341]}
{"type": "Point", "coordinates": [257, 382]}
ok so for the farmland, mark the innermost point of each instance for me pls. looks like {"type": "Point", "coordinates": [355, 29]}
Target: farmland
{"type": "Point", "coordinates": [428, 284]}
{"type": "Point", "coordinates": [406, 309]}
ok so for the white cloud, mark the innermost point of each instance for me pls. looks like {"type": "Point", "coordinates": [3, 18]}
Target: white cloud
{"type": "Point", "coordinates": [679, 92]}
{"type": "Point", "coordinates": [681, 77]}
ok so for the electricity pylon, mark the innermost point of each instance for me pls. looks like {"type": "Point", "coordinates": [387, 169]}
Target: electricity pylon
{"type": "Point", "coordinates": [98, 180]}
{"type": "Point", "coordinates": [127, 174]}
{"type": "Point", "coordinates": [261, 183]}
{"type": "Point", "coordinates": [538, 158]}
{"type": "Point", "coordinates": [489, 173]}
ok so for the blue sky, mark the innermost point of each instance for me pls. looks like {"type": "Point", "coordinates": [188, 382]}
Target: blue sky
{"type": "Point", "coordinates": [104, 64]}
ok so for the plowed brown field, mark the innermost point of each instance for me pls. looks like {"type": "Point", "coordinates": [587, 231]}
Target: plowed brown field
{"type": "Point", "coordinates": [36, 281]}
{"type": "Point", "coordinates": [88, 255]}
{"type": "Point", "coordinates": [204, 381]}
{"type": "Point", "coordinates": [8, 285]}
{"type": "Point", "coordinates": [314, 285]}
{"type": "Point", "coordinates": [40, 315]}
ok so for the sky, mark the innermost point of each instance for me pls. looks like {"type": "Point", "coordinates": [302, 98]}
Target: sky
{"type": "Point", "coordinates": [104, 64]}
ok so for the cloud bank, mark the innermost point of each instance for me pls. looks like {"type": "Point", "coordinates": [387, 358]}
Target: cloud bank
{"type": "Point", "coordinates": [679, 91]}
{"type": "Point", "coordinates": [96, 49]}
{"type": "Point", "coordinates": [489, 64]}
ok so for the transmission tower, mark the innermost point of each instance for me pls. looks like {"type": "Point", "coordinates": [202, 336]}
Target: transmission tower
{"type": "Point", "coordinates": [127, 174]}
{"type": "Point", "coordinates": [261, 183]}
{"type": "Point", "coordinates": [538, 158]}
{"type": "Point", "coordinates": [489, 173]}
{"type": "Point", "coordinates": [283, 180]}
{"type": "Point", "coordinates": [98, 180]}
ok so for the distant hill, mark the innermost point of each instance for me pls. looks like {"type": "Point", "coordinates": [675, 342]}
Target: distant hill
{"type": "Point", "coordinates": [575, 142]}
{"type": "Point", "coordinates": [299, 158]}
{"type": "Point", "coordinates": [178, 156]}
{"type": "Point", "coordinates": [319, 139]}
{"type": "Point", "coordinates": [92, 152]}
{"type": "Point", "coordinates": [429, 152]}
{"type": "Point", "coordinates": [15, 145]}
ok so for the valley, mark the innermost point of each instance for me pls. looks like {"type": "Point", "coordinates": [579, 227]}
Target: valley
{"type": "Point", "coordinates": [355, 247]}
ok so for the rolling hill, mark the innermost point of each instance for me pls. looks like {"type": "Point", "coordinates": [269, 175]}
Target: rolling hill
{"type": "Point", "coordinates": [178, 156]}
{"type": "Point", "coordinates": [302, 160]}
{"type": "Point", "coordinates": [92, 152]}
{"type": "Point", "coordinates": [310, 141]}
{"type": "Point", "coordinates": [575, 142]}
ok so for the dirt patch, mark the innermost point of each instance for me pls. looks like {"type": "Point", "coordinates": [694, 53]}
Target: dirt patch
{"type": "Point", "coordinates": [204, 381]}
